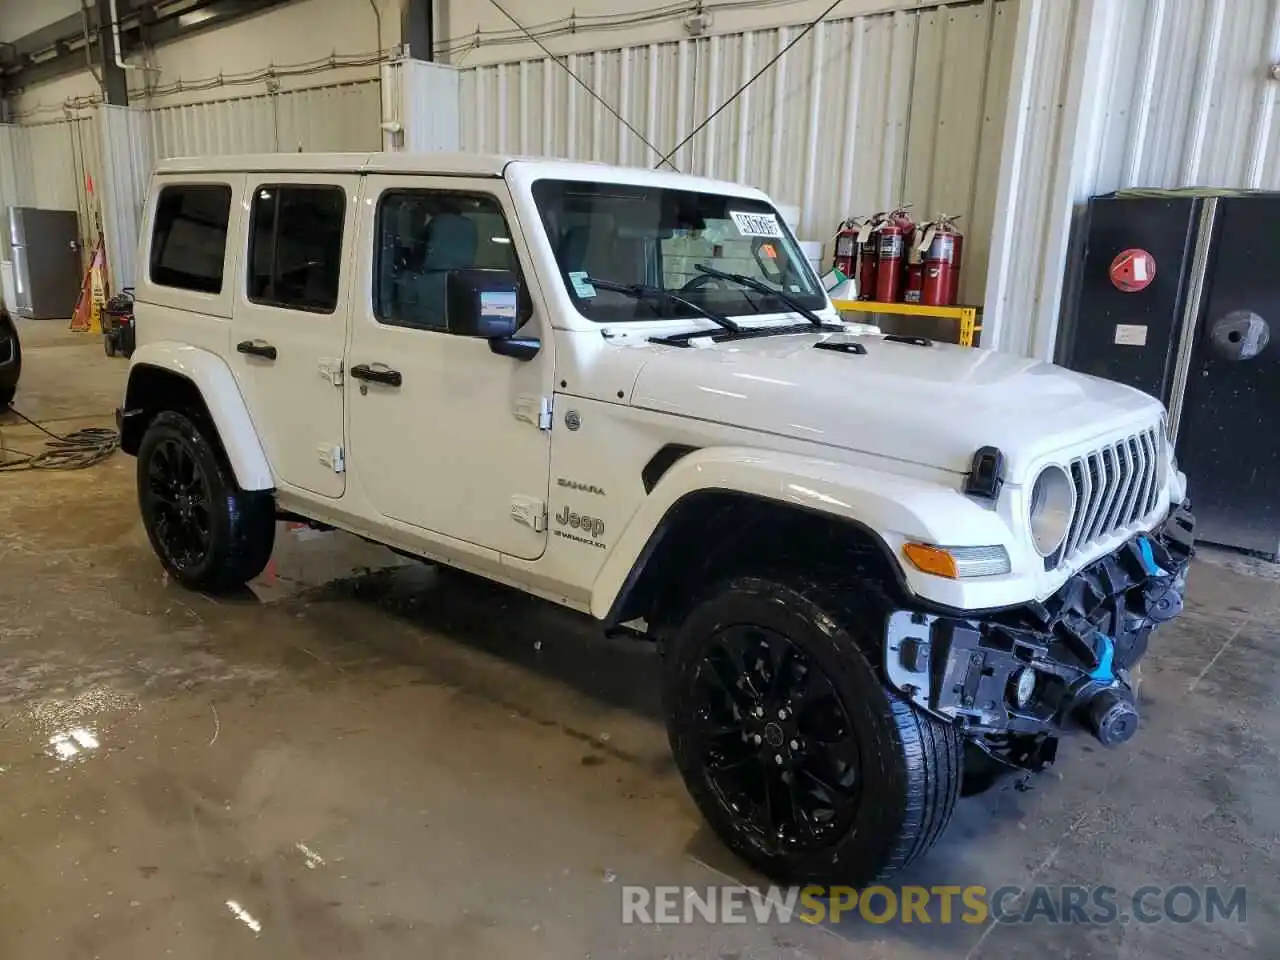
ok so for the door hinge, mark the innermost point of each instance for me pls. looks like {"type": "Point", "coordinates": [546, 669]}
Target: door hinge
{"type": "Point", "coordinates": [331, 370]}
{"type": "Point", "coordinates": [535, 410]}
{"type": "Point", "coordinates": [530, 512]}
{"type": "Point", "coordinates": [333, 457]}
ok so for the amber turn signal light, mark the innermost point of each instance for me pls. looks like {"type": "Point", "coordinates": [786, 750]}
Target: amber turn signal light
{"type": "Point", "coordinates": [930, 559]}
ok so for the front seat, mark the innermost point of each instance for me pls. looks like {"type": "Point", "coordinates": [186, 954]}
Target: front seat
{"type": "Point", "coordinates": [450, 244]}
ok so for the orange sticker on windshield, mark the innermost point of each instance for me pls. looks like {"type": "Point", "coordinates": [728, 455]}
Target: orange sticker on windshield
{"type": "Point", "coordinates": [768, 250]}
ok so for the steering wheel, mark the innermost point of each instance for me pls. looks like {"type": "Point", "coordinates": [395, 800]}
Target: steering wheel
{"type": "Point", "coordinates": [704, 280]}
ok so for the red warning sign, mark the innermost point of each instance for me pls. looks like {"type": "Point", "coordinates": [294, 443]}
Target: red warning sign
{"type": "Point", "coordinates": [1133, 270]}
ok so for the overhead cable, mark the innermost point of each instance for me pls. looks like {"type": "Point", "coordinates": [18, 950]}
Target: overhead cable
{"type": "Point", "coordinates": [742, 89]}
{"type": "Point", "coordinates": [587, 87]}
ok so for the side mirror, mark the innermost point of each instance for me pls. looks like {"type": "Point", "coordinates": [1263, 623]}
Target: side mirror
{"type": "Point", "coordinates": [490, 305]}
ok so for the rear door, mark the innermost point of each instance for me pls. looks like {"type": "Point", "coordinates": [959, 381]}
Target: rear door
{"type": "Point", "coordinates": [290, 322]}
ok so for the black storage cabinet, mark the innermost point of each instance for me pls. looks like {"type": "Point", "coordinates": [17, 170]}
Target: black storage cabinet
{"type": "Point", "coordinates": [1201, 338]}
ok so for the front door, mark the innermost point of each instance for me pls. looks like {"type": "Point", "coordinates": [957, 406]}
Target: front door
{"type": "Point", "coordinates": [446, 436]}
{"type": "Point", "coordinates": [289, 332]}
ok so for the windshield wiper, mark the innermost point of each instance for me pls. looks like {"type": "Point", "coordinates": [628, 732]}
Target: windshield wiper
{"type": "Point", "coordinates": [643, 291]}
{"type": "Point", "coordinates": [751, 283]}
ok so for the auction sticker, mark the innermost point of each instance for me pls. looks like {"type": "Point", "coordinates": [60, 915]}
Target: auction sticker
{"type": "Point", "coordinates": [756, 224]}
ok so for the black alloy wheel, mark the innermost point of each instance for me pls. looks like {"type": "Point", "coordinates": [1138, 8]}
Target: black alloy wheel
{"type": "Point", "coordinates": [179, 490]}
{"type": "Point", "coordinates": [208, 532]}
{"type": "Point", "coordinates": [796, 752]}
{"type": "Point", "coordinates": [774, 739]}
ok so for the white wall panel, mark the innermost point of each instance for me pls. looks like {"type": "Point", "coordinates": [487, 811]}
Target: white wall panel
{"type": "Point", "coordinates": [423, 98]}
{"type": "Point", "coordinates": [127, 159]}
{"type": "Point", "coordinates": [861, 114]}
{"type": "Point", "coordinates": [1122, 93]}
{"type": "Point", "coordinates": [331, 118]}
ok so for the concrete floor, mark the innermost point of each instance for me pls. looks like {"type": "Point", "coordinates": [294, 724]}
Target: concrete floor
{"type": "Point", "coordinates": [366, 759]}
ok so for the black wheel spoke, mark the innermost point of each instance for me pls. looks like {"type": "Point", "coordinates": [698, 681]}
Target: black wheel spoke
{"type": "Point", "coordinates": [769, 807]}
{"type": "Point", "coordinates": [723, 766]}
{"type": "Point", "coordinates": [713, 673]}
{"type": "Point", "coordinates": [782, 656]}
{"type": "Point", "coordinates": [743, 648]}
{"type": "Point", "coordinates": [799, 815]}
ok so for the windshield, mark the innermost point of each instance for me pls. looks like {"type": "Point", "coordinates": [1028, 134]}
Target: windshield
{"type": "Point", "coordinates": [632, 234]}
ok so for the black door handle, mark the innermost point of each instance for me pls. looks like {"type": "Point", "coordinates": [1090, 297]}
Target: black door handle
{"type": "Point", "coordinates": [256, 348]}
{"type": "Point", "coordinates": [377, 373]}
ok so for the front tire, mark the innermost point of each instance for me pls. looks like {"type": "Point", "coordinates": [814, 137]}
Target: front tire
{"type": "Point", "coordinates": [800, 759]}
{"type": "Point", "coordinates": [208, 533]}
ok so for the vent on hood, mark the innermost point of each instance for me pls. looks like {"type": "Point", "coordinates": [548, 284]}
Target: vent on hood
{"type": "Point", "coordinates": [914, 341]}
{"type": "Point", "coordinates": [841, 346]}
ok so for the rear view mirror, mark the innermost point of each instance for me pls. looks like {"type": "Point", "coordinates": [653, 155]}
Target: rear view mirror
{"type": "Point", "coordinates": [489, 305]}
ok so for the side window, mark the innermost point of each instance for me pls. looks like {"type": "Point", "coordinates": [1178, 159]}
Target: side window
{"type": "Point", "coordinates": [295, 246]}
{"type": "Point", "coordinates": [189, 236]}
{"type": "Point", "coordinates": [423, 234]}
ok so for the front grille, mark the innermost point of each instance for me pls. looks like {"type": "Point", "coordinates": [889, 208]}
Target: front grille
{"type": "Point", "coordinates": [1116, 486]}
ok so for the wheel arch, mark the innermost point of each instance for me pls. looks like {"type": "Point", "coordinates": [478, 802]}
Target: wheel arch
{"type": "Point", "coordinates": [710, 533]}
{"type": "Point", "coordinates": [168, 376]}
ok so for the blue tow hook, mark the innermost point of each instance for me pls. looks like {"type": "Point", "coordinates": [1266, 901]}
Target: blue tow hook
{"type": "Point", "coordinates": [1104, 671]}
{"type": "Point", "coordinates": [1149, 564]}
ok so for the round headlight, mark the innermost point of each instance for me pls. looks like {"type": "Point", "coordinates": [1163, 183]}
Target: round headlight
{"type": "Point", "coordinates": [1053, 499]}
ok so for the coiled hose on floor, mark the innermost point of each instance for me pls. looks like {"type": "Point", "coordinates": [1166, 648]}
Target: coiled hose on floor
{"type": "Point", "coordinates": [74, 451]}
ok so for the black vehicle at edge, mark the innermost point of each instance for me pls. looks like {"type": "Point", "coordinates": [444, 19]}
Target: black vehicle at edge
{"type": "Point", "coordinates": [10, 358]}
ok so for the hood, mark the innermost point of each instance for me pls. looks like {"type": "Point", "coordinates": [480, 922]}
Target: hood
{"type": "Point", "coordinates": [933, 405]}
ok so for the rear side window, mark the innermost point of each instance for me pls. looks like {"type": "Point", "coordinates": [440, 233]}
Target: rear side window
{"type": "Point", "coordinates": [295, 246]}
{"type": "Point", "coordinates": [189, 238]}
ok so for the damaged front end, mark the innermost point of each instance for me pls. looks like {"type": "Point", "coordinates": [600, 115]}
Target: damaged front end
{"type": "Point", "coordinates": [1013, 680]}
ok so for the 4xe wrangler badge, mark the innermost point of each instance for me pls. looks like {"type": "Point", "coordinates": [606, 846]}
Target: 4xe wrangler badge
{"type": "Point", "coordinates": [577, 521]}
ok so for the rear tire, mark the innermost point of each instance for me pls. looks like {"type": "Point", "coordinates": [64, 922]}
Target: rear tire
{"type": "Point", "coordinates": [799, 757]}
{"type": "Point", "coordinates": [208, 533]}
{"type": "Point", "coordinates": [6, 396]}
{"type": "Point", "coordinates": [109, 344]}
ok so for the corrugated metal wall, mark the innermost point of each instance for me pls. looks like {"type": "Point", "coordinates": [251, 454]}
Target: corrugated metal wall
{"type": "Point", "coordinates": [861, 114]}
{"type": "Point", "coordinates": [127, 159]}
{"type": "Point", "coordinates": [54, 165]}
{"type": "Point", "coordinates": [328, 118]}
{"type": "Point", "coordinates": [1149, 93]}
{"type": "Point", "coordinates": [423, 98]}
{"type": "Point", "coordinates": [1193, 102]}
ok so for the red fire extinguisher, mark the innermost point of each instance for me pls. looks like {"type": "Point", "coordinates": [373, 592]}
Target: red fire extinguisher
{"type": "Point", "coordinates": [845, 258]}
{"type": "Point", "coordinates": [941, 248]}
{"type": "Point", "coordinates": [894, 235]}
{"type": "Point", "coordinates": [869, 255]}
{"type": "Point", "coordinates": [915, 266]}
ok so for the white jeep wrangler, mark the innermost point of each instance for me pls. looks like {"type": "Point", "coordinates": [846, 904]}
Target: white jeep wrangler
{"type": "Point", "coordinates": [869, 560]}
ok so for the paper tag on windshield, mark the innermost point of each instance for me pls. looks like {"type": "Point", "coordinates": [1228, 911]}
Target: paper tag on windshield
{"type": "Point", "coordinates": [756, 224]}
{"type": "Point", "coordinates": [584, 290]}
